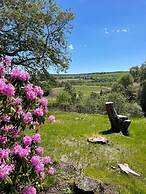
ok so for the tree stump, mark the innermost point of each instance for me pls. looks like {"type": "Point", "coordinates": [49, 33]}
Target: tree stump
{"type": "Point", "coordinates": [118, 122]}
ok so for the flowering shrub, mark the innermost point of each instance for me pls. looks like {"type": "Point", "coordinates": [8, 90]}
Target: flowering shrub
{"type": "Point", "coordinates": [23, 167]}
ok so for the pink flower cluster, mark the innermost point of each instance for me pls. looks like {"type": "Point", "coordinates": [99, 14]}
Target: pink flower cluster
{"type": "Point", "coordinates": [27, 117]}
{"type": "Point", "coordinates": [20, 75]}
{"type": "Point", "coordinates": [43, 101]}
{"type": "Point", "coordinates": [32, 92]}
{"type": "Point", "coordinates": [20, 151]}
{"type": "Point", "coordinates": [22, 106]}
{"type": "Point", "coordinates": [39, 164]}
{"type": "Point", "coordinates": [38, 112]}
{"type": "Point", "coordinates": [4, 153]}
{"type": "Point", "coordinates": [6, 89]}
{"type": "Point", "coordinates": [5, 170]}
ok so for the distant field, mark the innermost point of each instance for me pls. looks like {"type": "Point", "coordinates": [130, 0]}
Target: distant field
{"type": "Point", "coordinates": [85, 89]}
{"type": "Point", "coordinates": [68, 138]}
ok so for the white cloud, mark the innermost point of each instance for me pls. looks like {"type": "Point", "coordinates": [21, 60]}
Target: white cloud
{"type": "Point", "coordinates": [118, 31]}
{"type": "Point", "coordinates": [106, 31]}
{"type": "Point", "coordinates": [124, 30]}
{"type": "Point", "coordinates": [71, 47]}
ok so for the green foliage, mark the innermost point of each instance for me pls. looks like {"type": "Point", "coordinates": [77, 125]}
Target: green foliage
{"type": "Point", "coordinates": [34, 33]}
{"type": "Point", "coordinates": [64, 97]}
{"type": "Point", "coordinates": [133, 109]}
{"type": "Point", "coordinates": [125, 87]}
{"type": "Point", "coordinates": [126, 80]}
{"type": "Point", "coordinates": [135, 72]}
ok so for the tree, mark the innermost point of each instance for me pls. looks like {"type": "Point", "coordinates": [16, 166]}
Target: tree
{"type": "Point", "coordinates": [33, 33]}
{"type": "Point", "coordinates": [126, 80]}
{"type": "Point", "coordinates": [125, 86]}
{"type": "Point", "coordinates": [135, 72]}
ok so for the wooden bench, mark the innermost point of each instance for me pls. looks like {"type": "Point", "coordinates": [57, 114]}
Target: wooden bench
{"type": "Point", "coordinates": [118, 122]}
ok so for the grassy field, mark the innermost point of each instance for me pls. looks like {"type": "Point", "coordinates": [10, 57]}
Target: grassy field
{"type": "Point", "coordinates": [68, 137]}
{"type": "Point", "coordinates": [85, 89]}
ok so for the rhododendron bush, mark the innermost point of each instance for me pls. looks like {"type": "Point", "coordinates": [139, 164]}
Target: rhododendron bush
{"type": "Point", "coordinates": [23, 166]}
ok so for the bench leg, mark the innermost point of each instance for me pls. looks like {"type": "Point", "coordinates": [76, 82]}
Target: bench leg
{"type": "Point", "coordinates": [124, 127]}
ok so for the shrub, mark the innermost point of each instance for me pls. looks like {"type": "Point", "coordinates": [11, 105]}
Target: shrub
{"type": "Point", "coordinates": [63, 98]}
{"type": "Point", "coordinates": [118, 99]}
{"type": "Point", "coordinates": [23, 167]}
{"type": "Point", "coordinates": [133, 110]}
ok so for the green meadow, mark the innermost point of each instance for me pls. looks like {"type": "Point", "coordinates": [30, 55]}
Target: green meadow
{"type": "Point", "coordinates": [68, 138]}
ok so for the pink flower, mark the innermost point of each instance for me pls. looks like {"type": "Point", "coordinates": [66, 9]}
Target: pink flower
{"type": "Point", "coordinates": [39, 151]}
{"type": "Point", "coordinates": [36, 138]}
{"type": "Point", "coordinates": [8, 90]}
{"type": "Point", "coordinates": [27, 118]}
{"type": "Point", "coordinates": [38, 90]}
{"type": "Point", "coordinates": [51, 119]}
{"type": "Point", "coordinates": [24, 152]}
{"type": "Point", "coordinates": [43, 101]}
{"type": "Point", "coordinates": [4, 153]}
{"type": "Point", "coordinates": [24, 76]}
{"type": "Point", "coordinates": [15, 73]}
{"type": "Point", "coordinates": [21, 152]}
{"type": "Point", "coordinates": [38, 112]}
{"type": "Point", "coordinates": [39, 167]}
{"type": "Point", "coordinates": [35, 160]}
{"type": "Point", "coordinates": [16, 149]}
{"type": "Point", "coordinates": [27, 140]}
{"type": "Point", "coordinates": [51, 171]}
{"type": "Point", "coordinates": [29, 190]}
{"type": "Point", "coordinates": [29, 91]}
{"type": "Point", "coordinates": [31, 95]}
{"type": "Point", "coordinates": [47, 160]}
{"type": "Point", "coordinates": [2, 85]}
{"type": "Point", "coordinates": [5, 170]}
{"type": "Point", "coordinates": [21, 75]}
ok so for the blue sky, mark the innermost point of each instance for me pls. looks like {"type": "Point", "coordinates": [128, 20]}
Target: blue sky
{"type": "Point", "coordinates": [107, 35]}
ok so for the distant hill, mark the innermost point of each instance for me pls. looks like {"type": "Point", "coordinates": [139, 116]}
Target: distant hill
{"type": "Point", "coordinates": [83, 75]}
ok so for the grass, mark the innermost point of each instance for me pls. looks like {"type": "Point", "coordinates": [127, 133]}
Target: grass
{"type": "Point", "coordinates": [68, 136]}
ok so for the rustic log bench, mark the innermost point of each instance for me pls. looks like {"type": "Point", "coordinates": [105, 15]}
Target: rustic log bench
{"type": "Point", "coordinates": [118, 122]}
